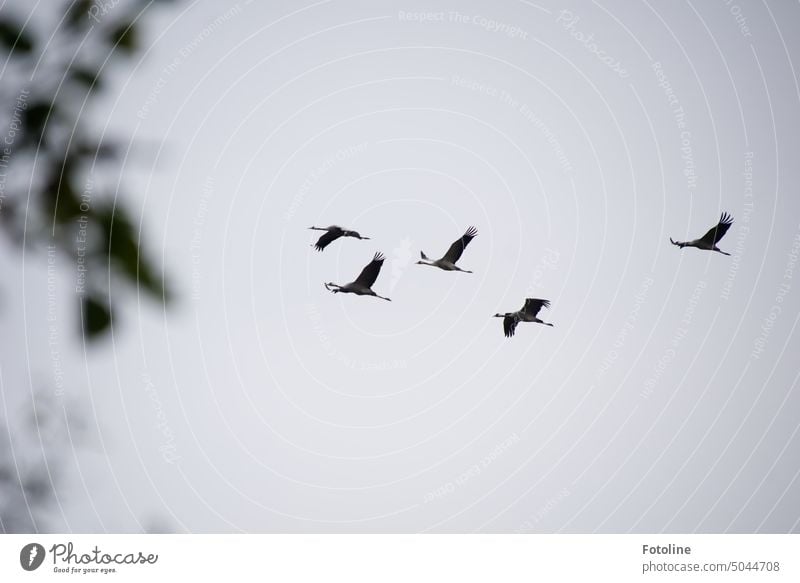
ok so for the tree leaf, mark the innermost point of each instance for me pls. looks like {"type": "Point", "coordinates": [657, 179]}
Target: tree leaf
{"type": "Point", "coordinates": [85, 76]}
{"type": "Point", "coordinates": [34, 118]}
{"type": "Point", "coordinates": [126, 254]}
{"type": "Point", "coordinates": [37, 487]}
{"type": "Point", "coordinates": [78, 13]}
{"type": "Point", "coordinates": [13, 38]}
{"type": "Point", "coordinates": [106, 151]}
{"type": "Point", "coordinates": [60, 200]}
{"type": "Point", "coordinates": [96, 315]}
{"type": "Point", "coordinates": [124, 37]}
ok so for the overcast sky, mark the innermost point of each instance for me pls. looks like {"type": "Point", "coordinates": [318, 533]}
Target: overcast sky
{"type": "Point", "coordinates": [576, 141]}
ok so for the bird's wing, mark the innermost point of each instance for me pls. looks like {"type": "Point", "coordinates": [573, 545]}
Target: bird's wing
{"type": "Point", "coordinates": [718, 232]}
{"type": "Point", "coordinates": [370, 273]}
{"type": "Point", "coordinates": [510, 324]}
{"type": "Point", "coordinates": [457, 248]}
{"type": "Point", "coordinates": [356, 234]}
{"type": "Point", "coordinates": [533, 305]}
{"type": "Point", "coordinates": [327, 239]}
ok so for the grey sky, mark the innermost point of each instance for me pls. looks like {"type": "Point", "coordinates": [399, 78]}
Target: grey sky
{"type": "Point", "coordinates": [664, 399]}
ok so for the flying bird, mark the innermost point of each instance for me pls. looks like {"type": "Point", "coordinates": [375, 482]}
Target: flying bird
{"type": "Point", "coordinates": [362, 286]}
{"type": "Point", "coordinates": [709, 240]}
{"type": "Point", "coordinates": [334, 232]}
{"type": "Point", "coordinates": [448, 262]}
{"type": "Point", "coordinates": [528, 313]}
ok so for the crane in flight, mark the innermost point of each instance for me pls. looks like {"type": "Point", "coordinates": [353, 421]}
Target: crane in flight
{"type": "Point", "coordinates": [448, 262]}
{"type": "Point", "coordinates": [333, 233]}
{"type": "Point", "coordinates": [709, 241]}
{"type": "Point", "coordinates": [528, 313]}
{"type": "Point", "coordinates": [362, 286]}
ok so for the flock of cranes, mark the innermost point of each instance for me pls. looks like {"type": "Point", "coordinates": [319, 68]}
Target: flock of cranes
{"type": "Point", "coordinates": [529, 312]}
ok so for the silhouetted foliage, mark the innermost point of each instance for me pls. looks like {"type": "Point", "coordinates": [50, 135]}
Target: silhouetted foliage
{"type": "Point", "coordinates": [31, 450]}
{"type": "Point", "coordinates": [14, 38]}
{"type": "Point", "coordinates": [49, 157]}
{"type": "Point", "coordinates": [52, 194]}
